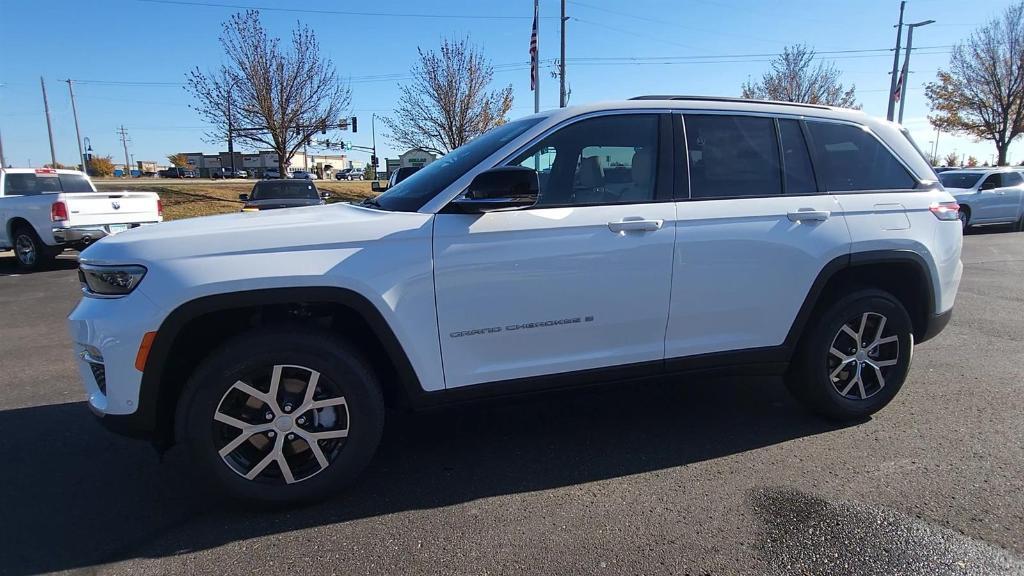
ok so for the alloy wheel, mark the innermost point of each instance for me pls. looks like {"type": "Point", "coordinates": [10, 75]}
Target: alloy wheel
{"type": "Point", "coordinates": [25, 248]}
{"type": "Point", "coordinates": [281, 425]}
{"type": "Point", "coordinates": [861, 356]}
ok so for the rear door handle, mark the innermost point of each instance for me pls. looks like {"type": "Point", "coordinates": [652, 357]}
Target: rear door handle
{"type": "Point", "coordinates": [806, 214]}
{"type": "Point", "coordinates": [626, 224]}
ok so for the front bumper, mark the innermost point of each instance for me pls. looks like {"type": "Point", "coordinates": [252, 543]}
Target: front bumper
{"type": "Point", "coordinates": [90, 234]}
{"type": "Point", "coordinates": [106, 334]}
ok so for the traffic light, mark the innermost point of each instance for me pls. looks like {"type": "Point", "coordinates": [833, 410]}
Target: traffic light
{"type": "Point", "coordinates": [355, 124]}
{"type": "Point", "coordinates": [323, 128]}
{"type": "Point", "coordinates": [373, 161]}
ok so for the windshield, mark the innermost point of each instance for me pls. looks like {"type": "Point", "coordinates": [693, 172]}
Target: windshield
{"type": "Point", "coordinates": [279, 189]}
{"type": "Point", "coordinates": [959, 179]}
{"type": "Point", "coordinates": [411, 194]}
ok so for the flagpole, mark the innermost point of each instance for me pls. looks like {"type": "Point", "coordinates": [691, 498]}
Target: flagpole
{"type": "Point", "coordinates": [536, 87]}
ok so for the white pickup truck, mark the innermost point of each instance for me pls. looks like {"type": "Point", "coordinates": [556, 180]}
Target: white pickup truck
{"type": "Point", "coordinates": [43, 211]}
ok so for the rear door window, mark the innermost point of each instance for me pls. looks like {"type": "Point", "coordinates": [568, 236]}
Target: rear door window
{"type": "Point", "coordinates": [1012, 179]}
{"type": "Point", "coordinates": [851, 158]}
{"type": "Point", "coordinates": [732, 156]}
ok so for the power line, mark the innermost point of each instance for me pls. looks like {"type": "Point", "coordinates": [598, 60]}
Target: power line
{"type": "Point", "coordinates": [340, 12]}
{"type": "Point", "coordinates": [669, 23]}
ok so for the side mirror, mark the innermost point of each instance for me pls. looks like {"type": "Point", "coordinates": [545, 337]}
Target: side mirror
{"type": "Point", "coordinates": [376, 187]}
{"type": "Point", "coordinates": [243, 197]}
{"type": "Point", "coordinates": [325, 195]}
{"type": "Point", "coordinates": [500, 188]}
{"type": "Point", "coordinates": [988, 185]}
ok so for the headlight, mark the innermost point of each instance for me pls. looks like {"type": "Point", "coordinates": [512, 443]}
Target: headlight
{"type": "Point", "coordinates": [109, 280]}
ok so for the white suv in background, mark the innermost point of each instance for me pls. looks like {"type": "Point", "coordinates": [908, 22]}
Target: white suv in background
{"type": "Point", "coordinates": [652, 237]}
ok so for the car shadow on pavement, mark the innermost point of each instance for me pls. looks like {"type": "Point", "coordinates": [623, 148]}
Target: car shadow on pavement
{"type": "Point", "coordinates": [9, 264]}
{"type": "Point", "coordinates": [75, 496]}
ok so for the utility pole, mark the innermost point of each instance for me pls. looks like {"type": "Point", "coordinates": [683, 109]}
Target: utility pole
{"type": "Point", "coordinates": [906, 62]}
{"type": "Point", "coordinates": [2, 163]}
{"type": "Point", "coordinates": [78, 134]}
{"type": "Point", "coordinates": [124, 142]}
{"type": "Point", "coordinates": [895, 65]}
{"type": "Point", "coordinates": [373, 137]}
{"type": "Point", "coordinates": [561, 64]}
{"type": "Point", "coordinates": [49, 126]}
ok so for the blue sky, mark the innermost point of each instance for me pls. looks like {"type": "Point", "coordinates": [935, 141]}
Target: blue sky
{"type": "Point", "coordinates": [151, 42]}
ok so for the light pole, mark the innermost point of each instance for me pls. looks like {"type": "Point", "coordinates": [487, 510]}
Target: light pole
{"type": "Point", "coordinates": [906, 62]}
{"type": "Point", "coordinates": [231, 145]}
{"type": "Point", "coordinates": [373, 143]}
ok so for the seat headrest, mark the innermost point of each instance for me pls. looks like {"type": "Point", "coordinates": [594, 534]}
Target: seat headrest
{"type": "Point", "coordinates": [591, 173]}
{"type": "Point", "coordinates": [643, 167]}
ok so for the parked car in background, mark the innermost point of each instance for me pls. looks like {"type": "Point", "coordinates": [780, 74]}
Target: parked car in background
{"type": "Point", "coordinates": [302, 175]}
{"type": "Point", "coordinates": [987, 196]}
{"type": "Point", "coordinates": [43, 211]}
{"type": "Point", "coordinates": [803, 242]}
{"type": "Point", "coordinates": [271, 173]}
{"type": "Point", "coordinates": [349, 174]}
{"type": "Point", "coordinates": [220, 173]}
{"type": "Point", "coordinates": [272, 194]}
{"type": "Point", "coordinates": [176, 172]}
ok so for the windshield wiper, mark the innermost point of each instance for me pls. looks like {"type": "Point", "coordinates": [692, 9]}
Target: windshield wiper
{"type": "Point", "coordinates": [370, 202]}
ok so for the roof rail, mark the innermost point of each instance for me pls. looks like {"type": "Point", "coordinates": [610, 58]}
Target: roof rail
{"type": "Point", "coordinates": [727, 99]}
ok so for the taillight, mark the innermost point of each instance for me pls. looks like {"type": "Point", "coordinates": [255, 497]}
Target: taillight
{"type": "Point", "coordinates": [945, 210]}
{"type": "Point", "coordinates": [58, 211]}
{"type": "Point", "coordinates": [159, 207]}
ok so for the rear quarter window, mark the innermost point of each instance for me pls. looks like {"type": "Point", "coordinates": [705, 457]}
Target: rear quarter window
{"type": "Point", "coordinates": [852, 158]}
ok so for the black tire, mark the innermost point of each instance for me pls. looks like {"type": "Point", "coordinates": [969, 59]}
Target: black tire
{"type": "Point", "coordinates": [1019, 226]}
{"type": "Point", "coordinates": [342, 370]}
{"type": "Point", "coordinates": [965, 217]}
{"type": "Point", "coordinates": [810, 377]}
{"type": "Point", "coordinates": [30, 252]}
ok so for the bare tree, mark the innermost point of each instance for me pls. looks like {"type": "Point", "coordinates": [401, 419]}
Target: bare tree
{"type": "Point", "coordinates": [180, 159]}
{"type": "Point", "coordinates": [952, 159]}
{"type": "Point", "coordinates": [795, 78]}
{"type": "Point", "coordinates": [448, 102]}
{"type": "Point", "coordinates": [271, 96]}
{"type": "Point", "coordinates": [981, 94]}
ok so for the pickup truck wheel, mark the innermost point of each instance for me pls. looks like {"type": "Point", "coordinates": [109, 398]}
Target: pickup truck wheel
{"type": "Point", "coordinates": [30, 251]}
{"type": "Point", "coordinates": [854, 359]}
{"type": "Point", "coordinates": [282, 416]}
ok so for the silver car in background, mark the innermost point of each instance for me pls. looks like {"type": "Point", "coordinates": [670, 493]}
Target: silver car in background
{"type": "Point", "coordinates": [991, 196]}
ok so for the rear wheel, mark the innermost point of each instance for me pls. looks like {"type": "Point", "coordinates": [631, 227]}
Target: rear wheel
{"type": "Point", "coordinates": [31, 252]}
{"type": "Point", "coordinates": [965, 218]}
{"type": "Point", "coordinates": [282, 416]}
{"type": "Point", "coordinates": [854, 359]}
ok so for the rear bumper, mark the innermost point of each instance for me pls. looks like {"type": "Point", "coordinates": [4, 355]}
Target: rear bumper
{"type": "Point", "coordinates": [936, 323]}
{"type": "Point", "coordinates": [89, 234]}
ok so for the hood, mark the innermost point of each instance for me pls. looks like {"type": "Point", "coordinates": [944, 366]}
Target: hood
{"type": "Point", "coordinates": [271, 203]}
{"type": "Point", "coordinates": [304, 228]}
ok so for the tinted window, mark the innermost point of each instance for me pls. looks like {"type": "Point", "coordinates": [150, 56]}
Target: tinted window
{"type": "Point", "coordinates": [959, 179]}
{"type": "Point", "coordinates": [992, 181]}
{"type": "Point", "coordinates": [276, 189]}
{"type": "Point", "coordinates": [75, 183]}
{"type": "Point", "coordinates": [1012, 179]}
{"type": "Point", "coordinates": [30, 184]}
{"type": "Point", "coordinates": [604, 160]}
{"type": "Point", "coordinates": [411, 194]}
{"type": "Point", "coordinates": [796, 159]}
{"type": "Point", "coordinates": [853, 159]}
{"type": "Point", "coordinates": [732, 156]}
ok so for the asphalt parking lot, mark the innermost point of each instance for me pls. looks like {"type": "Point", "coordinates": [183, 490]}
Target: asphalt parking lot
{"type": "Point", "coordinates": [695, 477]}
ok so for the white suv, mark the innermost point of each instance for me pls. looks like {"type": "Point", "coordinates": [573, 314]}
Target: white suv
{"type": "Point", "coordinates": [650, 237]}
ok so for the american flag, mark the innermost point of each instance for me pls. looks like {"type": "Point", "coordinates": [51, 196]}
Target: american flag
{"type": "Point", "coordinates": [533, 54]}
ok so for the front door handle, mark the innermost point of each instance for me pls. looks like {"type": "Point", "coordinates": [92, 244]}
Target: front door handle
{"type": "Point", "coordinates": [627, 225]}
{"type": "Point", "coordinates": [808, 215]}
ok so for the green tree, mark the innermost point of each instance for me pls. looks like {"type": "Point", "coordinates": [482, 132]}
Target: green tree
{"type": "Point", "coordinates": [981, 93]}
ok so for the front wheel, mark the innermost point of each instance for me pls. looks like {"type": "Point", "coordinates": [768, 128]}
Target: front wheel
{"type": "Point", "coordinates": [964, 218]}
{"type": "Point", "coordinates": [282, 416]}
{"type": "Point", "coordinates": [855, 357]}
